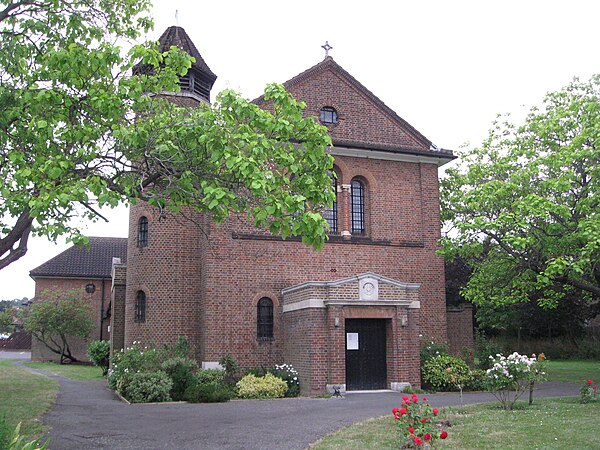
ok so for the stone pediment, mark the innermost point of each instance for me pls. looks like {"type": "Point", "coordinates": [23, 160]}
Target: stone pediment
{"type": "Point", "coordinates": [364, 289]}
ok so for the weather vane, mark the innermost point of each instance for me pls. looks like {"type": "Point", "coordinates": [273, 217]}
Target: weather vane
{"type": "Point", "coordinates": [326, 47]}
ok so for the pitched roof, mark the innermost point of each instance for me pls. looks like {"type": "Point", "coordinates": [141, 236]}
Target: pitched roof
{"type": "Point", "coordinates": [420, 144]}
{"type": "Point", "coordinates": [176, 36]}
{"type": "Point", "coordinates": [82, 262]}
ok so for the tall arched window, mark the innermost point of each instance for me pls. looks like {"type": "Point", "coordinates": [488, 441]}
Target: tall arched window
{"type": "Point", "coordinates": [331, 214]}
{"type": "Point", "coordinates": [143, 232]}
{"type": "Point", "coordinates": [264, 318]}
{"type": "Point", "coordinates": [357, 202]}
{"type": "Point", "coordinates": [140, 307]}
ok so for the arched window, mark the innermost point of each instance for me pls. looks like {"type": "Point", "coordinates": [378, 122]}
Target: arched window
{"type": "Point", "coordinates": [264, 318]}
{"type": "Point", "coordinates": [143, 232]}
{"type": "Point", "coordinates": [331, 214]}
{"type": "Point", "coordinates": [357, 201]}
{"type": "Point", "coordinates": [140, 307]}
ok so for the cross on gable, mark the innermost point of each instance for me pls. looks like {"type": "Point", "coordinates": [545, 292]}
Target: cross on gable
{"type": "Point", "coordinates": [326, 47]}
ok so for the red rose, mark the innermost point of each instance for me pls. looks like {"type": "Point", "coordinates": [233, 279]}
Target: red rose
{"type": "Point", "coordinates": [595, 388]}
{"type": "Point", "coordinates": [435, 411]}
{"type": "Point", "coordinates": [590, 381]}
{"type": "Point", "coordinates": [405, 398]}
{"type": "Point", "coordinates": [443, 435]}
{"type": "Point", "coordinates": [424, 420]}
{"type": "Point", "coordinates": [415, 399]}
{"type": "Point", "coordinates": [411, 430]}
{"type": "Point", "coordinates": [397, 416]}
{"type": "Point", "coordinates": [427, 437]}
{"type": "Point", "coordinates": [403, 411]}
{"type": "Point", "coordinates": [424, 399]}
{"type": "Point", "coordinates": [395, 410]}
{"type": "Point", "coordinates": [418, 441]}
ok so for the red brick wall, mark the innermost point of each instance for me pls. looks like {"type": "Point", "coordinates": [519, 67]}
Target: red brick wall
{"type": "Point", "coordinates": [78, 346]}
{"type": "Point", "coordinates": [168, 271]}
{"type": "Point", "coordinates": [460, 328]}
{"type": "Point", "coordinates": [205, 284]}
{"type": "Point", "coordinates": [117, 301]}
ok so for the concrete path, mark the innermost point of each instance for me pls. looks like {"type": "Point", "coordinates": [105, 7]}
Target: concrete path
{"type": "Point", "coordinates": [15, 354]}
{"type": "Point", "coordinates": [87, 415]}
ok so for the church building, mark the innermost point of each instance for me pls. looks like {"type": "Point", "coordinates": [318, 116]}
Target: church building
{"type": "Point", "coordinates": [350, 316]}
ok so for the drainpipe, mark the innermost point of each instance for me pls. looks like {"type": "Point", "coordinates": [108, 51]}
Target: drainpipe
{"type": "Point", "coordinates": [102, 309]}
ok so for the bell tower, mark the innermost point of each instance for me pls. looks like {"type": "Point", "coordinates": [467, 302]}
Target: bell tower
{"type": "Point", "coordinates": [165, 251]}
{"type": "Point", "coordinates": [199, 80]}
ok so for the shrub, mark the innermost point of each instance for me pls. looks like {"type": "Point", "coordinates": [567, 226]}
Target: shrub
{"type": "Point", "coordinates": [445, 373]}
{"type": "Point", "coordinates": [99, 354]}
{"type": "Point", "coordinates": [288, 374]}
{"type": "Point", "coordinates": [475, 381]}
{"type": "Point", "coordinates": [181, 372]}
{"type": "Point", "coordinates": [206, 376]}
{"type": "Point", "coordinates": [146, 387]}
{"type": "Point", "coordinates": [268, 386]}
{"type": "Point", "coordinates": [16, 441]}
{"type": "Point", "coordinates": [257, 371]}
{"type": "Point", "coordinates": [211, 392]}
{"type": "Point", "coordinates": [5, 432]}
{"type": "Point", "coordinates": [231, 368]}
{"type": "Point", "coordinates": [417, 423]}
{"type": "Point", "coordinates": [589, 392]}
{"type": "Point", "coordinates": [484, 348]}
{"type": "Point", "coordinates": [132, 360]}
{"type": "Point", "coordinates": [431, 349]}
{"type": "Point", "coordinates": [510, 376]}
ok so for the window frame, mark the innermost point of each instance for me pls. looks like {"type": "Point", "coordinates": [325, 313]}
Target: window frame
{"type": "Point", "coordinates": [331, 214]}
{"type": "Point", "coordinates": [328, 115]}
{"type": "Point", "coordinates": [142, 238]}
{"type": "Point", "coordinates": [139, 315]}
{"type": "Point", "coordinates": [358, 191]}
{"type": "Point", "coordinates": [265, 319]}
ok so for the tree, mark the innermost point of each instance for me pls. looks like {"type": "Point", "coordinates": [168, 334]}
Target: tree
{"type": "Point", "coordinates": [524, 207]}
{"type": "Point", "coordinates": [79, 131]}
{"type": "Point", "coordinates": [57, 317]}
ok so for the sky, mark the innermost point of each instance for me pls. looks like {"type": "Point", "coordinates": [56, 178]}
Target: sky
{"type": "Point", "coordinates": [446, 67]}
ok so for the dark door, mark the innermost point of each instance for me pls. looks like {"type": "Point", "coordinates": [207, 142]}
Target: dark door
{"type": "Point", "coordinates": [365, 354]}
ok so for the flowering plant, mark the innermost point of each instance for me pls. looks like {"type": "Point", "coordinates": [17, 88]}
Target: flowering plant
{"type": "Point", "coordinates": [589, 392]}
{"type": "Point", "coordinates": [418, 423]}
{"type": "Point", "coordinates": [509, 376]}
{"type": "Point", "coordinates": [288, 374]}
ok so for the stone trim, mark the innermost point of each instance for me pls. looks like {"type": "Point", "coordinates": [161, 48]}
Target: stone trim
{"type": "Point", "coordinates": [341, 281]}
{"type": "Point", "coordinates": [333, 239]}
{"type": "Point", "coordinates": [318, 303]}
{"type": "Point", "coordinates": [390, 156]}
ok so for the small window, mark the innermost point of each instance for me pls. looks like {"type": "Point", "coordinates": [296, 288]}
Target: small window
{"type": "Point", "coordinates": [264, 319]}
{"type": "Point", "coordinates": [330, 214]}
{"type": "Point", "coordinates": [143, 232]}
{"type": "Point", "coordinates": [357, 201]}
{"type": "Point", "coordinates": [140, 307]}
{"type": "Point", "coordinates": [328, 115]}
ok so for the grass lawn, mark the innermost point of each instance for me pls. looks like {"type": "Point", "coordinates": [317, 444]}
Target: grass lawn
{"type": "Point", "coordinates": [575, 371]}
{"type": "Point", "coordinates": [24, 397]}
{"type": "Point", "coordinates": [71, 371]}
{"type": "Point", "coordinates": [548, 424]}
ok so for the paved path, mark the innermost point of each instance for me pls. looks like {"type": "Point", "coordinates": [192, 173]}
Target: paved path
{"type": "Point", "coordinates": [87, 415]}
{"type": "Point", "coordinates": [15, 354]}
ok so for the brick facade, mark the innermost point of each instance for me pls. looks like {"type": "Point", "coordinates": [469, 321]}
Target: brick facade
{"type": "Point", "coordinates": [100, 299]}
{"type": "Point", "coordinates": [460, 328]}
{"type": "Point", "coordinates": [204, 281]}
